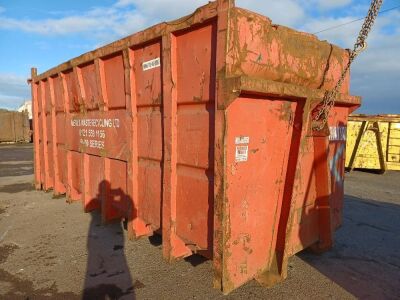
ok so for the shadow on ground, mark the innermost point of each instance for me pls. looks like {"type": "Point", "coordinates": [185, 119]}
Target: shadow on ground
{"type": "Point", "coordinates": [20, 288]}
{"type": "Point", "coordinates": [16, 169]}
{"type": "Point", "coordinates": [108, 275]}
{"type": "Point", "coordinates": [365, 259]}
{"type": "Point", "coordinates": [16, 188]}
{"type": "Point", "coordinates": [16, 160]}
{"type": "Point", "coordinates": [107, 271]}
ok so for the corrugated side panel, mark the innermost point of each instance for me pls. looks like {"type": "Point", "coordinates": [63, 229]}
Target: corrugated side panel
{"type": "Point", "coordinates": [195, 70]}
{"type": "Point", "coordinates": [149, 132]}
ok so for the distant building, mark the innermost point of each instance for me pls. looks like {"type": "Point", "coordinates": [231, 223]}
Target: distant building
{"type": "Point", "coordinates": [26, 106]}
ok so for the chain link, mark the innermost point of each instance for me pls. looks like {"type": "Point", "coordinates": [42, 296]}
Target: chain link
{"type": "Point", "coordinates": [329, 99]}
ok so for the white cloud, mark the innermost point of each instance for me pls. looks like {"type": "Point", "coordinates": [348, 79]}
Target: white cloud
{"type": "Point", "coordinates": [128, 16]}
{"type": "Point", "coordinates": [375, 74]}
{"type": "Point", "coordinates": [117, 20]}
{"type": "Point", "coordinates": [284, 12]}
{"type": "Point", "coordinates": [123, 3]}
{"type": "Point", "coordinates": [13, 90]}
{"type": "Point", "coordinates": [331, 4]}
{"type": "Point", "coordinates": [163, 10]}
{"type": "Point", "coordinates": [343, 36]}
{"type": "Point", "coordinates": [93, 22]}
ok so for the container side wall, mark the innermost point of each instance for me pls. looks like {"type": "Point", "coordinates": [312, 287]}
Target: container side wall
{"type": "Point", "coordinates": [8, 131]}
{"type": "Point", "coordinates": [14, 126]}
{"type": "Point", "coordinates": [393, 145]}
{"type": "Point", "coordinates": [306, 224]}
{"type": "Point", "coordinates": [373, 142]}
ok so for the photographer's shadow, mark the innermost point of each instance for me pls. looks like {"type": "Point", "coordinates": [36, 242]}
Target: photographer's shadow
{"type": "Point", "coordinates": [107, 272]}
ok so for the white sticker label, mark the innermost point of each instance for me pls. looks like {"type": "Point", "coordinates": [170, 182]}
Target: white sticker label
{"type": "Point", "coordinates": [337, 133]}
{"type": "Point", "coordinates": [241, 153]}
{"type": "Point", "coordinates": [242, 140]}
{"type": "Point", "coordinates": [151, 64]}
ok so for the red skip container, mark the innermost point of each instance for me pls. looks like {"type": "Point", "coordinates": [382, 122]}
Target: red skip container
{"type": "Point", "coordinates": [200, 129]}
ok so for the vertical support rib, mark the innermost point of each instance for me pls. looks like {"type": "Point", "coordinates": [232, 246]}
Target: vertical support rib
{"type": "Point", "coordinates": [58, 189]}
{"type": "Point", "coordinates": [101, 83]}
{"type": "Point", "coordinates": [105, 192]}
{"type": "Point", "coordinates": [136, 226]}
{"type": "Point", "coordinates": [86, 175]}
{"type": "Point", "coordinates": [132, 159]}
{"type": "Point", "coordinates": [44, 138]}
{"type": "Point", "coordinates": [71, 193]}
{"type": "Point", "coordinates": [65, 101]}
{"type": "Point", "coordinates": [105, 185]}
{"type": "Point", "coordinates": [173, 246]}
{"type": "Point", "coordinates": [36, 138]}
{"type": "Point", "coordinates": [221, 209]}
{"type": "Point", "coordinates": [81, 97]}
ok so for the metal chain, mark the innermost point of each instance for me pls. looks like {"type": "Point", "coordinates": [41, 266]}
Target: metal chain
{"type": "Point", "coordinates": [328, 102]}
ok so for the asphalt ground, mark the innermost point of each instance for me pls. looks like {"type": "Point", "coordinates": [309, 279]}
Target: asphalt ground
{"type": "Point", "coordinates": [52, 250]}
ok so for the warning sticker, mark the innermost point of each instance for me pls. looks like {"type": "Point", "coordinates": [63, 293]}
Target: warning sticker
{"type": "Point", "coordinates": [241, 153]}
{"type": "Point", "coordinates": [337, 133]}
{"type": "Point", "coordinates": [242, 140]}
{"type": "Point", "coordinates": [151, 64]}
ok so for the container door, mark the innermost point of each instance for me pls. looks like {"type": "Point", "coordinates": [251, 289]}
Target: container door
{"type": "Point", "coordinates": [261, 157]}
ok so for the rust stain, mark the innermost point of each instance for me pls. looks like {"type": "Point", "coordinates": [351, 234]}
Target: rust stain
{"type": "Point", "coordinates": [286, 112]}
{"type": "Point", "coordinates": [289, 56]}
{"type": "Point", "coordinates": [254, 150]}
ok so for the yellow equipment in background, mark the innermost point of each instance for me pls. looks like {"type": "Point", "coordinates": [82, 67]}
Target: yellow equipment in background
{"type": "Point", "coordinates": [373, 142]}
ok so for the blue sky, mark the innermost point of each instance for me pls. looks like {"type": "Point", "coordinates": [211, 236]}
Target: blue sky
{"type": "Point", "coordinates": [46, 33]}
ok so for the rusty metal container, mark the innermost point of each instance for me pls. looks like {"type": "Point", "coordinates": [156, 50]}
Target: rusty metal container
{"type": "Point", "coordinates": [373, 142]}
{"type": "Point", "coordinates": [200, 129]}
{"type": "Point", "coordinates": [14, 127]}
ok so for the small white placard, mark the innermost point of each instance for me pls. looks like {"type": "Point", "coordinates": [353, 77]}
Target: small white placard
{"type": "Point", "coordinates": [242, 140]}
{"type": "Point", "coordinates": [337, 133]}
{"type": "Point", "coordinates": [151, 64]}
{"type": "Point", "coordinates": [241, 153]}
